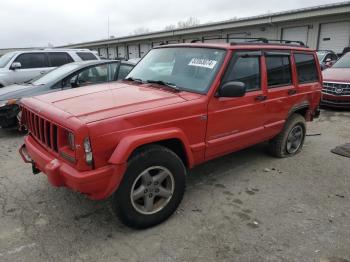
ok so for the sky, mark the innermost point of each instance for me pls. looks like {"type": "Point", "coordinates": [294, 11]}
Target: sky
{"type": "Point", "coordinates": [39, 23]}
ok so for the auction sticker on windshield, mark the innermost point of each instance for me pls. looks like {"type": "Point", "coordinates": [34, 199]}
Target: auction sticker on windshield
{"type": "Point", "coordinates": [200, 62]}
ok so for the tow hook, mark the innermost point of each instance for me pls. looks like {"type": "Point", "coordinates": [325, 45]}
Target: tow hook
{"type": "Point", "coordinates": [35, 170]}
{"type": "Point", "coordinates": [27, 159]}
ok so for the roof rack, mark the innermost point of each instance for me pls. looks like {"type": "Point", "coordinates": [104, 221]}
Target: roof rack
{"type": "Point", "coordinates": [250, 40]}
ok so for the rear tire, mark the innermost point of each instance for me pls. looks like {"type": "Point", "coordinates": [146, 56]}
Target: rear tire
{"type": "Point", "coordinates": [152, 188]}
{"type": "Point", "coordinates": [291, 140]}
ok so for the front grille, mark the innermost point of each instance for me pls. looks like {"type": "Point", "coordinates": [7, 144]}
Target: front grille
{"type": "Point", "coordinates": [43, 130]}
{"type": "Point", "coordinates": [338, 89]}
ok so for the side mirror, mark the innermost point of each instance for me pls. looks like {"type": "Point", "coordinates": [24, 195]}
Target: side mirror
{"type": "Point", "coordinates": [232, 89]}
{"type": "Point", "coordinates": [15, 65]}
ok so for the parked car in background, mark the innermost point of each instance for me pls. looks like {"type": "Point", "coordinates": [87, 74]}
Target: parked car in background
{"type": "Point", "coordinates": [22, 66]}
{"type": "Point", "coordinates": [136, 139]}
{"type": "Point", "coordinates": [336, 84]}
{"type": "Point", "coordinates": [68, 76]}
{"type": "Point", "coordinates": [327, 58]}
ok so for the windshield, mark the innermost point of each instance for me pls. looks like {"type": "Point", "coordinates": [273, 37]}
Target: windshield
{"type": "Point", "coordinates": [343, 62]}
{"type": "Point", "coordinates": [55, 74]}
{"type": "Point", "coordinates": [186, 68]}
{"type": "Point", "coordinates": [5, 59]}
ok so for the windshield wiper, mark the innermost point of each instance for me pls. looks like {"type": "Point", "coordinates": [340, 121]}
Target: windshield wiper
{"type": "Point", "coordinates": [160, 82]}
{"type": "Point", "coordinates": [138, 80]}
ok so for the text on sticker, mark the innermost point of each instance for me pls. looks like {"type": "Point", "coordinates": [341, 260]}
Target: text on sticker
{"type": "Point", "coordinates": [207, 63]}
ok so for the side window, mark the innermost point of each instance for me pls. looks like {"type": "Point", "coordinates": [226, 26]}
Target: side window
{"type": "Point", "coordinates": [58, 59]}
{"type": "Point", "coordinates": [124, 71]}
{"type": "Point", "coordinates": [93, 75]}
{"type": "Point", "coordinates": [86, 56]}
{"type": "Point", "coordinates": [245, 68]}
{"type": "Point", "coordinates": [279, 71]}
{"type": "Point", "coordinates": [306, 68]}
{"type": "Point", "coordinates": [32, 60]}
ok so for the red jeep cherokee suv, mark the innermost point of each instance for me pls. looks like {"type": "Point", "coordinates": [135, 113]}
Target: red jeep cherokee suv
{"type": "Point", "coordinates": [180, 106]}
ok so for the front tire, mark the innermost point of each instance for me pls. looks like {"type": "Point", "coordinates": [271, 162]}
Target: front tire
{"type": "Point", "coordinates": [152, 188]}
{"type": "Point", "coordinates": [291, 140]}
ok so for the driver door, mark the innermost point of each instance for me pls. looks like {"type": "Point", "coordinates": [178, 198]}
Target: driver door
{"type": "Point", "coordinates": [235, 123]}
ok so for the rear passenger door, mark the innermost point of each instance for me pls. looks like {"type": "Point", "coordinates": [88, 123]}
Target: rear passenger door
{"type": "Point", "coordinates": [308, 79]}
{"type": "Point", "coordinates": [32, 65]}
{"type": "Point", "coordinates": [281, 89]}
{"type": "Point", "coordinates": [235, 123]}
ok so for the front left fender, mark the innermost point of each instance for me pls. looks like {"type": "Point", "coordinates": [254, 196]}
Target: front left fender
{"type": "Point", "coordinates": [129, 143]}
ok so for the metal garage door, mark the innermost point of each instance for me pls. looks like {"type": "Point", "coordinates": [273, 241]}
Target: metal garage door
{"type": "Point", "coordinates": [154, 44]}
{"type": "Point", "coordinates": [172, 42]}
{"type": "Point", "coordinates": [121, 52]}
{"type": "Point", "coordinates": [103, 52]}
{"type": "Point", "coordinates": [189, 40]}
{"type": "Point", "coordinates": [112, 51]}
{"type": "Point", "coordinates": [334, 36]}
{"type": "Point", "coordinates": [215, 39]}
{"type": "Point", "coordinates": [144, 48]}
{"type": "Point", "coordinates": [238, 37]}
{"type": "Point", "coordinates": [133, 51]}
{"type": "Point", "coordinates": [299, 33]}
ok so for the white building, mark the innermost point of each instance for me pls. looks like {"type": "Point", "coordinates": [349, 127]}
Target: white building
{"type": "Point", "coordinates": [320, 27]}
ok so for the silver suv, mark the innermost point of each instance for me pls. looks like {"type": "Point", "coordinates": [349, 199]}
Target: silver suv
{"type": "Point", "coordinates": [22, 66]}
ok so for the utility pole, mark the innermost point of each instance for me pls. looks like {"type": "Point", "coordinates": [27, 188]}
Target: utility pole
{"type": "Point", "coordinates": [108, 28]}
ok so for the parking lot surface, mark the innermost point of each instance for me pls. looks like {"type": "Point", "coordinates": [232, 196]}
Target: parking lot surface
{"type": "Point", "coordinates": [246, 206]}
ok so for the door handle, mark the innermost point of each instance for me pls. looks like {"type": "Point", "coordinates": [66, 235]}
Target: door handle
{"type": "Point", "coordinates": [260, 98]}
{"type": "Point", "coordinates": [292, 92]}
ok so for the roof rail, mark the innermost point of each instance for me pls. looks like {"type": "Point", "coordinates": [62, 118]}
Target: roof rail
{"type": "Point", "coordinates": [252, 40]}
{"type": "Point", "coordinates": [283, 41]}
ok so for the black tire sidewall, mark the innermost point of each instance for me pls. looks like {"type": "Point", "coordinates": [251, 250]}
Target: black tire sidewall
{"type": "Point", "coordinates": [153, 156]}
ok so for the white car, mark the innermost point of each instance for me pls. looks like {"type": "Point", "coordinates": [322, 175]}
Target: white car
{"type": "Point", "coordinates": [22, 66]}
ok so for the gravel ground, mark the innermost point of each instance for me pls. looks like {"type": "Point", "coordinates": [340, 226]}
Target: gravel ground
{"type": "Point", "coordinates": [246, 206]}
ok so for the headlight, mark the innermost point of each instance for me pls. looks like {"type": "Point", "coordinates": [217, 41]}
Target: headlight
{"type": "Point", "coordinates": [71, 141]}
{"type": "Point", "coordinates": [8, 102]}
{"type": "Point", "coordinates": [11, 101]}
{"type": "Point", "coordinates": [88, 153]}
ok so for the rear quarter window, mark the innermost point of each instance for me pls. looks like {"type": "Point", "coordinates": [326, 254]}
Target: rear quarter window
{"type": "Point", "coordinates": [306, 68]}
{"type": "Point", "coordinates": [85, 56]}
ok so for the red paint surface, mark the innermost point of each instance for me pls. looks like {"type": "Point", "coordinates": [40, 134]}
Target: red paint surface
{"type": "Point", "coordinates": [119, 117]}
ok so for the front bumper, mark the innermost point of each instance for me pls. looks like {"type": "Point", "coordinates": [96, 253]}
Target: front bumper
{"type": "Point", "coordinates": [335, 101]}
{"type": "Point", "coordinates": [97, 184]}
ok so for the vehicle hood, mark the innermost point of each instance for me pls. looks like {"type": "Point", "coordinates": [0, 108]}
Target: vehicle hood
{"type": "Point", "coordinates": [104, 101]}
{"type": "Point", "coordinates": [337, 75]}
{"type": "Point", "coordinates": [19, 91]}
{"type": "Point", "coordinates": [3, 71]}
